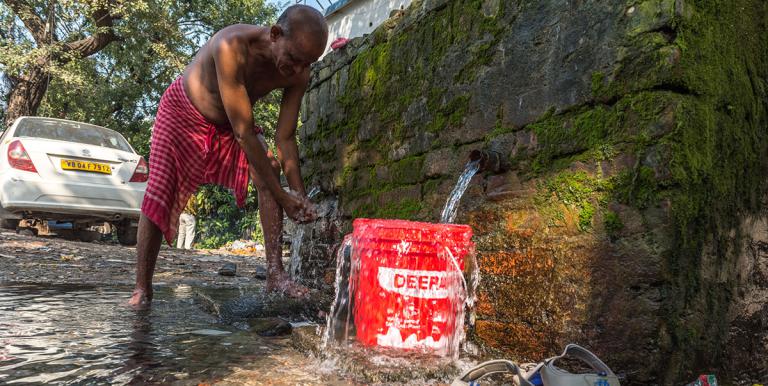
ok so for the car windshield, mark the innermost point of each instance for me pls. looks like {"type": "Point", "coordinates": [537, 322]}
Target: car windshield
{"type": "Point", "coordinates": [72, 132]}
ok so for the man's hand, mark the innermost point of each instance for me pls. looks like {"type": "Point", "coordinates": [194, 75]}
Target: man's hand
{"type": "Point", "coordinates": [299, 208]}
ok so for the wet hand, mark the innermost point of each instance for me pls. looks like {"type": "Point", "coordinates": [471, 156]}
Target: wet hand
{"type": "Point", "coordinates": [309, 213]}
{"type": "Point", "coordinates": [299, 208]}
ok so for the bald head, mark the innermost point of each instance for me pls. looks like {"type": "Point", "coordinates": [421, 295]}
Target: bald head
{"type": "Point", "coordinates": [298, 39]}
{"type": "Point", "coordinates": [305, 20]}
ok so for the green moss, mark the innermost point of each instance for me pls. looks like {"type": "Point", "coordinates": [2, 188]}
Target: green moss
{"type": "Point", "coordinates": [430, 186]}
{"type": "Point", "coordinates": [598, 79]}
{"type": "Point", "coordinates": [577, 191]}
{"type": "Point", "coordinates": [638, 187]}
{"type": "Point", "coordinates": [405, 210]}
{"type": "Point", "coordinates": [718, 149]}
{"type": "Point", "coordinates": [595, 130]}
{"type": "Point", "coordinates": [452, 113]}
{"type": "Point", "coordinates": [573, 132]}
{"type": "Point", "coordinates": [407, 170]}
{"type": "Point", "coordinates": [612, 223]}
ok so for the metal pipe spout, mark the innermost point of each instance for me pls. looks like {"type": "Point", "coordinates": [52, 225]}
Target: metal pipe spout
{"type": "Point", "coordinates": [490, 161]}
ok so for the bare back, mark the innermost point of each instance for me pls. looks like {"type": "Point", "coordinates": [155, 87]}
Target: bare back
{"type": "Point", "coordinates": [259, 75]}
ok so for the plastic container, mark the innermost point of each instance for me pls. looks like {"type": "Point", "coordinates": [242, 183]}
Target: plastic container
{"type": "Point", "coordinates": [408, 282]}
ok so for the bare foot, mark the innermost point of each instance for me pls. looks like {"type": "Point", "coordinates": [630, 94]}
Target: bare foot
{"type": "Point", "coordinates": [140, 299]}
{"type": "Point", "coordinates": [285, 285]}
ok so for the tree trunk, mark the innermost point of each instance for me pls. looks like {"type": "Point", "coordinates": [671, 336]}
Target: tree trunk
{"type": "Point", "coordinates": [28, 89]}
{"type": "Point", "coordinates": [26, 95]}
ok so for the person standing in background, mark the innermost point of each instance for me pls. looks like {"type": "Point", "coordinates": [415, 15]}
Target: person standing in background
{"type": "Point", "coordinates": [187, 223]}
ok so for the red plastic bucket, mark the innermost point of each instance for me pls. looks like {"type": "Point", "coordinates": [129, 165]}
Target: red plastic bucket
{"type": "Point", "coordinates": [408, 291]}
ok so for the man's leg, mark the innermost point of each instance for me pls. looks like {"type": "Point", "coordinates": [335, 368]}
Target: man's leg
{"type": "Point", "coordinates": [271, 215]}
{"type": "Point", "coordinates": [191, 222]}
{"type": "Point", "coordinates": [149, 239]}
{"type": "Point", "coordinates": [181, 234]}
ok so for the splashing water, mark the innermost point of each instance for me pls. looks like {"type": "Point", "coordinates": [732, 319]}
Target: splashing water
{"type": "Point", "coordinates": [464, 300]}
{"type": "Point", "coordinates": [337, 325]}
{"type": "Point", "coordinates": [297, 239]}
{"type": "Point", "coordinates": [452, 205]}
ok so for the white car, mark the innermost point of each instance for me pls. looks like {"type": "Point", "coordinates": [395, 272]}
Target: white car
{"type": "Point", "coordinates": [55, 169]}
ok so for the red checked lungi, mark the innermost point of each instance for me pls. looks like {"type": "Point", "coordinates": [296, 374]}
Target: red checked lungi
{"type": "Point", "coordinates": [186, 151]}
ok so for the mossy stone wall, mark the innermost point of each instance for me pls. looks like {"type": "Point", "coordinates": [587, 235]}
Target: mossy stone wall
{"type": "Point", "coordinates": [636, 134]}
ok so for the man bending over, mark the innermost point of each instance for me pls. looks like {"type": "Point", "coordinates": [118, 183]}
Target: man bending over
{"type": "Point", "coordinates": [204, 133]}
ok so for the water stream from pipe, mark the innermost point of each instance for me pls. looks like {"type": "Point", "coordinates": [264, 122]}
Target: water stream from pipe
{"type": "Point", "coordinates": [452, 204]}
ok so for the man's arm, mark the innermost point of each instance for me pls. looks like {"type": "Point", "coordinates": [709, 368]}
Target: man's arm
{"type": "Point", "coordinates": [237, 104]}
{"type": "Point", "coordinates": [287, 150]}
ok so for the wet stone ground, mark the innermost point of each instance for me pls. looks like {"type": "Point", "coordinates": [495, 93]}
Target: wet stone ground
{"type": "Point", "coordinates": [52, 260]}
{"type": "Point", "coordinates": [64, 320]}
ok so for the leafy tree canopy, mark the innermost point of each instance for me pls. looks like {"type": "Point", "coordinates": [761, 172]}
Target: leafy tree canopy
{"type": "Point", "coordinates": [108, 62]}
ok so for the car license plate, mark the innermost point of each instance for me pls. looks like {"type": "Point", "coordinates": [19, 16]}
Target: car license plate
{"type": "Point", "coordinates": [86, 166]}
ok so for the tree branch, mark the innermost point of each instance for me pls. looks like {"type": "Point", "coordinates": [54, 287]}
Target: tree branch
{"type": "Point", "coordinates": [92, 44]}
{"type": "Point", "coordinates": [31, 20]}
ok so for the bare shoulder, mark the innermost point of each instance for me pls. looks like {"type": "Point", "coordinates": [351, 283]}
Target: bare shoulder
{"type": "Point", "coordinates": [228, 39]}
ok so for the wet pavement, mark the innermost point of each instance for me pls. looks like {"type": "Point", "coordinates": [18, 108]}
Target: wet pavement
{"type": "Point", "coordinates": [30, 259]}
{"type": "Point", "coordinates": [66, 334]}
{"type": "Point", "coordinates": [64, 320]}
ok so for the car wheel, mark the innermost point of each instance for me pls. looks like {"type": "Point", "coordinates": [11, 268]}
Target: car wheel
{"type": "Point", "coordinates": [126, 233]}
{"type": "Point", "coordinates": [9, 223]}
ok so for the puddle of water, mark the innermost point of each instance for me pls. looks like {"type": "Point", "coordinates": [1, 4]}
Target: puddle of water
{"type": "Point", "coordinates": [75, 335]}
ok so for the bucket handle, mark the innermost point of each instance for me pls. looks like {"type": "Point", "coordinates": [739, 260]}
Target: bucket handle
{"type": "Point", "coordinates": [458, 269]}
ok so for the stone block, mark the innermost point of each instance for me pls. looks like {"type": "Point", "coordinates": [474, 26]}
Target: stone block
{"type": "Point", "coordinates": [525, 142]}
{"type": "Point", "coordinates": [617, 165]}
{"type": "Point", "coordinates": [400, 194]}
{"type": "Point", "coordinates": [659, 159]}
{"type": "Point", "coordinates": [490, 8]}
{"type": "Point", "coordinates": [503, 184]}
{"type": "Point", "coordinates": [503, 144]}
{"type": "Point", "coordinates": [382, 174]}
{"type": "Point", "coordinates": [348, 207]}
{"type": "Point", "coordinates": [407, 170]}
{"type": "Point", "coordinates": [525, 108]}
{"type": "Point", "coordinates": [324, 100]}
{"type": "Point", "coordinates": [416, 115]}
{"type": "Point", "coordinates": [324, 74]}
{"type": "Point", "coordinates": [442, 162]}
{"type": "Point", "coordinates": [369, 127]}
{"type": "Point", "coordinates": [522, 341]}
{"type": "Point", "coordinates": [650, 15]}
{"type": "Point", "coordinates": [461, 135]}
{"type": "Point", "coordinates": [311, 100]}
{"type": "Point", "coordinates": [421, 143]}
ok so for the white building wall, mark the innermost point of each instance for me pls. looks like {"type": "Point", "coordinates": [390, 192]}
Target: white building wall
{"type": "Point", "coordinates": [360, 17]}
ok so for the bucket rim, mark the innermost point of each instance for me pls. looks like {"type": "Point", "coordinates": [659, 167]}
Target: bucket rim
{"type": "Point", "coordinates": [408, 224]}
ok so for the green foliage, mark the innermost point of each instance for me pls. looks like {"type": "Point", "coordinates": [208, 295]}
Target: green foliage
{"type": "Point", "coordinates": [120, 86]}
{"type": "Point", "coordinates": [220, 221]}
